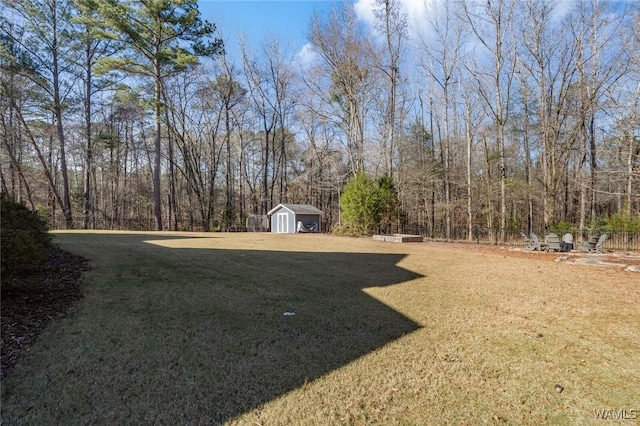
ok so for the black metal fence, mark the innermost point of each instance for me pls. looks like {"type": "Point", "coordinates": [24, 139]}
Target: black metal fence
{"type": "Point", "coordinates": [149, 224]}
{"type": "Point", "coordinates": [616, 240]}
{"type": "Point", "coordinates": [621, 240]}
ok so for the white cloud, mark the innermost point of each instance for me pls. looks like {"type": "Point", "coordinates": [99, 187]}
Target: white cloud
{"type": "Point", "coordinates": [364, 10]}
{"type": "Point", "coordinates": [415, 10]}
{"type": "Point", "coordinates": [562, 7]}
{"type": "Point", "coordinates": [418, 10]}
{"type": "Point", "coordinates": [306, 56]}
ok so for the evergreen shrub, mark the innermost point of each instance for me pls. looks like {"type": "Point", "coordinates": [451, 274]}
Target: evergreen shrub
{"type": "Point", "coordinates": [24, 235]}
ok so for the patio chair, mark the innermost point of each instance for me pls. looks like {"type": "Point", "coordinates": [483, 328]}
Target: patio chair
{"type": "Point", "coordinates": [567, 242]}
{"type": "Point", "coordinates": [599, 248]}
{"type": "Point", "coordinates": [534, 243]}
{"type": "Point", "coordinates": [590, 245]}
{"type": "Point", "coordinates": [553, 242]}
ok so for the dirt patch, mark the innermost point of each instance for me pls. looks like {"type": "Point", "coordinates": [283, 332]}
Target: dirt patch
{"type": "Point", "coordinates": [30, 301]}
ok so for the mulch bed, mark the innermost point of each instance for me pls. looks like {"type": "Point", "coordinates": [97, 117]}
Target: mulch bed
{"type": "Point", "coordinates": [31, 300]}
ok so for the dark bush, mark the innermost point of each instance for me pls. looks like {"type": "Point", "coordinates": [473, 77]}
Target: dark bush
{"type": "Point", "coordinates": [24, 237]}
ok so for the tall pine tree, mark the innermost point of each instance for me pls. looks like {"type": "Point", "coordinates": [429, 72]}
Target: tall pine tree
{"type": "Point", "coordinates": [162, 37]}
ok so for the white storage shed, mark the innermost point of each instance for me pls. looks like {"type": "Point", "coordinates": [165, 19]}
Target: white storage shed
{"type": "Point", "coordinates": [293, 218]}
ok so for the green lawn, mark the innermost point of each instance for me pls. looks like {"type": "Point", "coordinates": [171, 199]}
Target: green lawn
{"type": "Point", "coordinates": [186, 328]}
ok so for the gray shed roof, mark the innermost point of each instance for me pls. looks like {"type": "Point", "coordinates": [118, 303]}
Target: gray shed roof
{"type": "Point", "coordinates": [296, 209]}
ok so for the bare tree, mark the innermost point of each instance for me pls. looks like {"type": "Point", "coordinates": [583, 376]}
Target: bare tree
{"type": "Point", "coordinates": [566, 65]}
{"type": "Point", "coordinates": [269, 80]}
{"type": "Point", "coordinates": [473, 118]}
{"type": "Point", "coordinates": [443, 46]}
{"type": "Point", "coordinates": [391, 22]}
{"type": "Point", "coordinates": [230, 94]}
{"type": "Point", "coordinates": [345, 54]}
{"type": "Point", "coordinates": [322, 170]}
{"type": "Point", "coordinates": [600, 64]}
{"type": "Point", "coordinates": [491, 23]}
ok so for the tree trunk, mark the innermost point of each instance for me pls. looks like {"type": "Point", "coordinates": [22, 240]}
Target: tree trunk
{"type": "Point", "coordinates": [229, 215]}
{"type": "Point", "coordinates": [43, 162]}
{"type": "Point", "coordinates": [87, 196]}
{"type": "Point", "coordinates": [469, 192]}
{"type": "Point", "coordinates": [57, 110]}
{"type": "Point", "coordinates": [157, 200]}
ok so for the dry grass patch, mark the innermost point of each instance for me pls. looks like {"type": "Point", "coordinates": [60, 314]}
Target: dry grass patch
{"type": "Point", "coordinates": [189, 328]}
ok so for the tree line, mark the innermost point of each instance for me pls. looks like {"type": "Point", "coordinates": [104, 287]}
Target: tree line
{"type": "Point", "coordinates": [506, 114]}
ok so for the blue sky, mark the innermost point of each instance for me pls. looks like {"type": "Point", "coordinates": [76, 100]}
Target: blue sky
{"type": "Point", "coordinates": [288, 20]}
{"type": "Point", "coordinates": [258, 20]}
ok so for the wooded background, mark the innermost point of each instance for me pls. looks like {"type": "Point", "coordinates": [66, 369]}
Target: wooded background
{"type": "Point", "coordinates": [506, 115]}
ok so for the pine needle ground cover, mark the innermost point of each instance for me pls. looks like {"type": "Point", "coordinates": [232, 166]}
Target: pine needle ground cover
{"type": "Point", "coordinates": [186, 328]}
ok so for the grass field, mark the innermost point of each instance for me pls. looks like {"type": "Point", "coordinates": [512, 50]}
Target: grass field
{"type": "Point", "coordinates": [186, 328]}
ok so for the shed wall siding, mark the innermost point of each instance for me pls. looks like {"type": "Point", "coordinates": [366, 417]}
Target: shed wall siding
{"type": "Point", "coordinates": [291, 222]}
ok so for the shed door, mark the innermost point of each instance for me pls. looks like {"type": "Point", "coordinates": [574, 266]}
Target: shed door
{"type": "Point", "coordinates": [282, 223]}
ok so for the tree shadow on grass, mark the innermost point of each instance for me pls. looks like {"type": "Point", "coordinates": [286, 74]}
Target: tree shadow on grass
{"type": "Point", "coordinates": [215, 333]}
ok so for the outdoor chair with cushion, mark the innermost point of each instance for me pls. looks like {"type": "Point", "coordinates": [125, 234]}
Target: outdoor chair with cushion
{"type": "Point", "coordinates": [567, 242]}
